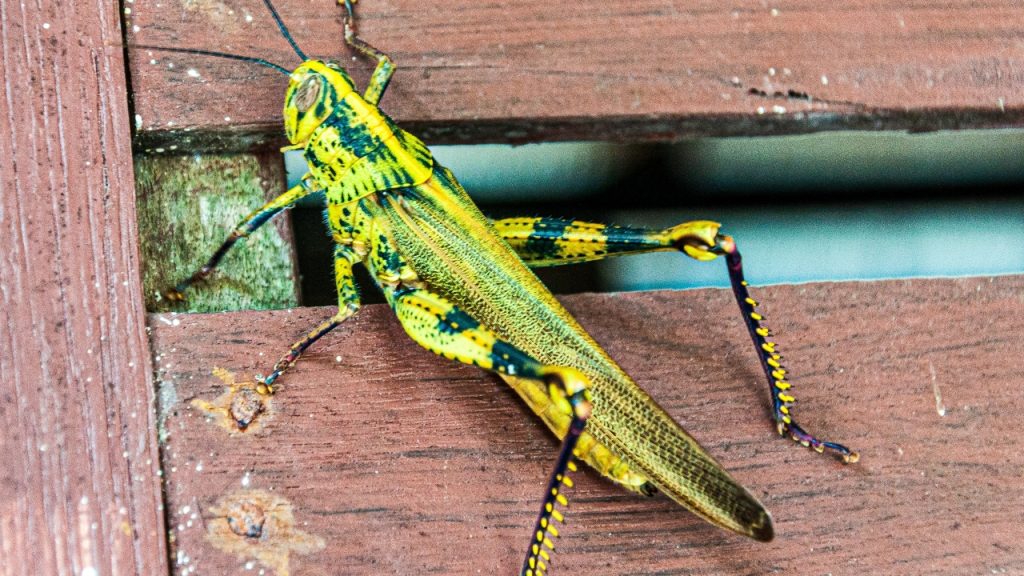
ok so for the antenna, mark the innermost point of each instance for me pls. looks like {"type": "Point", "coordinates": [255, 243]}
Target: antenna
{"type": "Point", "coordinates": [280, 25]}
{"type": "Point", "coordinates": [259, 61]}
{"type": "Point", "coordinates": [284, 30]}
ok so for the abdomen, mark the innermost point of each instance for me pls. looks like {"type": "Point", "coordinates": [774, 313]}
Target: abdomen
{"type": "Point", "coordinates": [454, 249]}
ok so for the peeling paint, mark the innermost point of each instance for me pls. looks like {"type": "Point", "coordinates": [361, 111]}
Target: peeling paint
{"type": "Point", "coordinates": [940, 408]}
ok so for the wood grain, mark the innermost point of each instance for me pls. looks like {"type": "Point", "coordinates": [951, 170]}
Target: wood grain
{"type": "Point", "coordinates": [397, 462]}
{"type": "Point", "coordinates": [187, 206]}
{"type": "Point", "coordinates": [651, 69]}
{"type": "Point", "coordinates": [79, 480]}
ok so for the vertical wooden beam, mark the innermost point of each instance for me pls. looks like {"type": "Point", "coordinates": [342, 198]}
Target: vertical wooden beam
{"type": "Point", "coordinates": [80, 487]}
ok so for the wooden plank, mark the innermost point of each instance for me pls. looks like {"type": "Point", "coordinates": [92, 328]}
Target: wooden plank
{"type": "Point", "coordinates": [187, 207]}
{"type": "Point", "coordinates": [79, 485]}
{"type": "Point", "coordinates": [471, 71]}
{"type": "Point", "coordinates": [391, 461]}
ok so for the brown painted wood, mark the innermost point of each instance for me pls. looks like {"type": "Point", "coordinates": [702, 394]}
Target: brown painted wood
{"type": "Point", "coordinates": [389, 460]}
{"type": "Point", "coordinates": [79, 479]}
{"type": "Point", "coordinates": [652, 69]}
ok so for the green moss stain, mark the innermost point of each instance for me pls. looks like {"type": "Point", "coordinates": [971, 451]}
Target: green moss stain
{"type": "Point", "coordinates": [187, 206]}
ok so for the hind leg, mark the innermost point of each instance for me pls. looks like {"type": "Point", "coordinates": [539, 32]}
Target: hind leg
{"type": "Point", "coordinates": [446, 330]}
{"type": "Point", "coordinates": [553, 241]}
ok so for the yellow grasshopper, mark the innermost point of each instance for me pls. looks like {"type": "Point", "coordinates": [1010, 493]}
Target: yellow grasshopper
{"type": "Point", "coordinates": [461, 286]}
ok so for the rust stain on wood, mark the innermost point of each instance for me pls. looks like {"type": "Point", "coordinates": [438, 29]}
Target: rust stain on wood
{"type": "Point", "coordinates": [240, 408]}
{"type": "Point", "coordinates": [408, 464]}
{"type": "Point", "coordinates": [257, 524]}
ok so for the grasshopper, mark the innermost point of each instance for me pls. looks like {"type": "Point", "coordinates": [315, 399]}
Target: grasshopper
{"type": "Point", "coordinates": [461, 286]}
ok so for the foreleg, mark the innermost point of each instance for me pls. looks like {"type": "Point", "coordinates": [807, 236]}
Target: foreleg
{"type": "Point", "coordinates": [385, 65]}
{"type": "Point", "coordinates": [348, 304]}
{"type": "Point", "coordinates": [247, 226]}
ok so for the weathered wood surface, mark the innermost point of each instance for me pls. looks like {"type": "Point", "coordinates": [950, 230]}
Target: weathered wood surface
{"type": "Point", "coordinates": [532, 70]}
{"type": "Point", "coordinates": [187, 206]}
{"type": "Point", "coordinates": [79, 484]}
{"type": "Point", "coordinates": [396, 462]}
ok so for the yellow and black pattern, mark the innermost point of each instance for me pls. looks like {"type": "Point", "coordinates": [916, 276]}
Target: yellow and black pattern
{"type": "Point", "coordinates": [553, 241]}
{"type": "Point", "coordinates": [448, 331]}
{"type": "Point", "coordinates": [444, 329]}
{"type": "Point", "coordinates": [458, 253]}
{"type": "Point", "coordinates": [458, 284]}
{"type": "Point", "coordinates": [344, 281]}
{"type": "Point", "coordinates": [401, 160]}
{"type": "Point", "coordinates": [538, 557]}
{"type": "Point", "coordinates": [314, 92]}
{"type": "Point", "coordinates": [557, 241]}
{"type": "Point", "coordinates": [350, 224]}
{"type": "Point", "coordinates": [352, 148]}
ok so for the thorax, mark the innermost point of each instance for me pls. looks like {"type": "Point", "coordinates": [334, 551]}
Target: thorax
{"type": "Point", "coordinates": [357, 152]}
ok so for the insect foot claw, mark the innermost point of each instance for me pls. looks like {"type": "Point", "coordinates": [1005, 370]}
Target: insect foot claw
{"type": "Point", "coordinates": [794, 431]}
{"type": "Point", "coordinates": [173, 295]}
{"type": "Point", "coordinates": [265, 386]}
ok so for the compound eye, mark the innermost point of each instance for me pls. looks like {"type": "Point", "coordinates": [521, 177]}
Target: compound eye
{"type": "Point", "coordinates": [307, 93]}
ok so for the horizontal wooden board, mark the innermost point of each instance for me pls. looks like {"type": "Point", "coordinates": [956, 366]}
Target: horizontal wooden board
{"type": "Point", "coordinates": [376, 457]}
{"type": "Point", "coordinates": [533, 70]}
